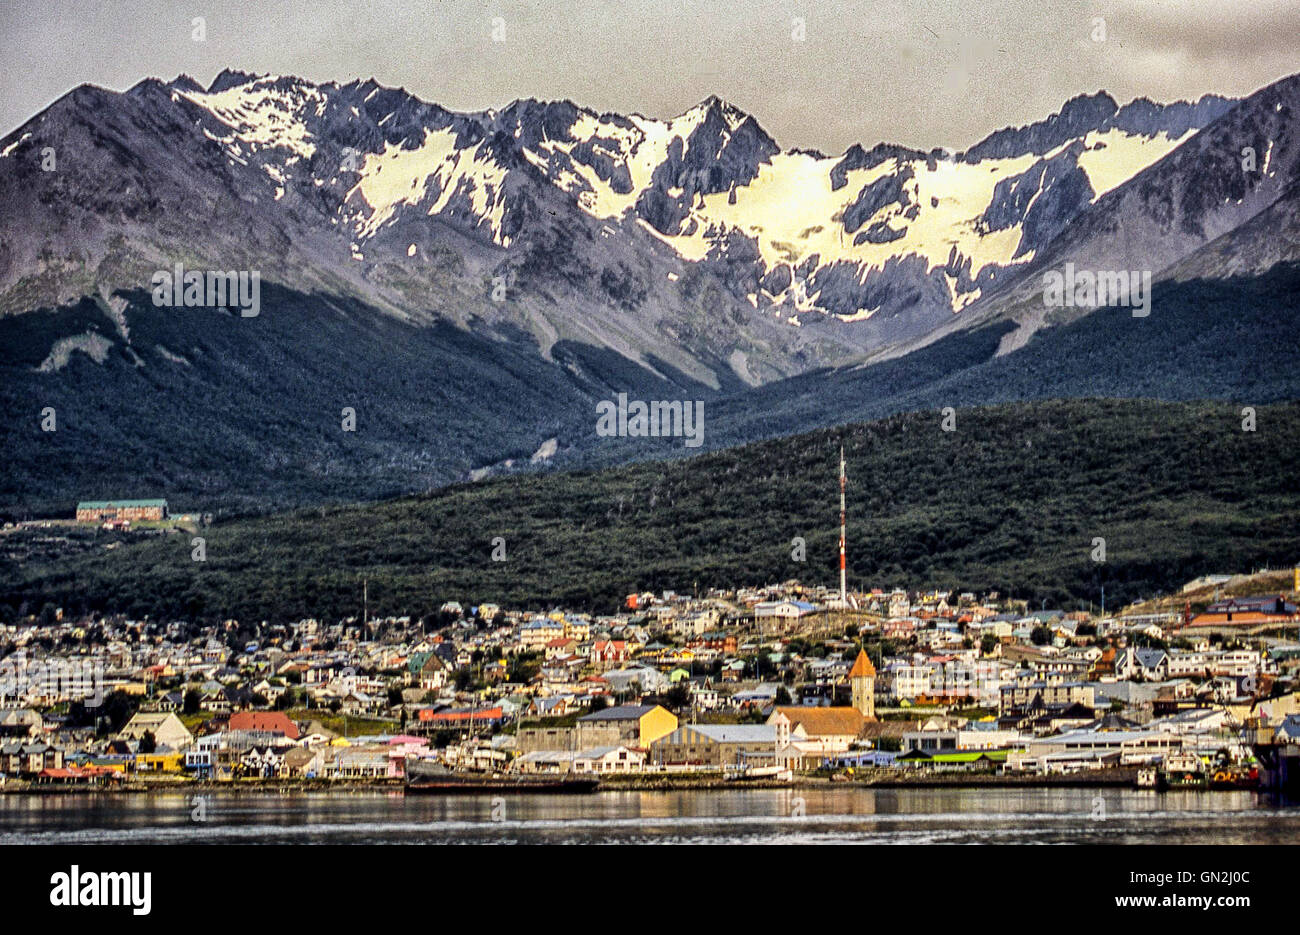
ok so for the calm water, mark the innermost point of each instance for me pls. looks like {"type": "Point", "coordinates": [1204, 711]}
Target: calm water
{"type": "Point", "coordinates": [796, 816]}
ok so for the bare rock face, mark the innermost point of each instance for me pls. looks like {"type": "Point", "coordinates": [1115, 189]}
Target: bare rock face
{"type": "Point", "coordinates": [555, 255]}
{"type": "Point", "coordinates": [328, 186]}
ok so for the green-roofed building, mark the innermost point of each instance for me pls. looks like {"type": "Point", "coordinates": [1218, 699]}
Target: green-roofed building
{"type": "Point", "coordinates": [972, 760]}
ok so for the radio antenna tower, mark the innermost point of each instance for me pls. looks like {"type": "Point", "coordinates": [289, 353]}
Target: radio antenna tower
{"type": "Point", "coordinates": [844, 596]}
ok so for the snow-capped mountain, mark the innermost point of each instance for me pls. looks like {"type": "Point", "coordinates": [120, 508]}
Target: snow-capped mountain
{"type": "Point", "coordinates": [364, 187]}
{"type": "Point", "coordinates": [471, 284]}
{"type": "Point", "coordinates": [886, 232]}
{"type": "Point", "coordinates": [1226, 203]}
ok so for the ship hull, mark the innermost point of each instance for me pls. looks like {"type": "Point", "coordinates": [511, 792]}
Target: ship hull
{"type": "Point", "coordinates": [475, 786]}
{"type": "Point", "coordinates": [424, 778]}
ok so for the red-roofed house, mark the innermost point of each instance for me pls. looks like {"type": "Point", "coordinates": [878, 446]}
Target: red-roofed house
{"type": "Point", "coordinates": [264, 720]}
{"type": "Point", "coordinates": [464, 717]}
{"type": "Point", "coordinates": [609, 652]}
{"type": "Point", "coordinates": [1247, 611]}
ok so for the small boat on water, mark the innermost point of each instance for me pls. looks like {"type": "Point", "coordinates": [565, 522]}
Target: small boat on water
{"type": "Point", "coordinates": [1186, 771]}
{"type": "Point", "coordinates": [1235, 777]}
{"type": "Point", "coordinates": [430, 778]}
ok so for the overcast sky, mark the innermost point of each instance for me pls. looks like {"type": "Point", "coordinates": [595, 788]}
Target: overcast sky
{"type": "Point", "coordinates": [924, 74]}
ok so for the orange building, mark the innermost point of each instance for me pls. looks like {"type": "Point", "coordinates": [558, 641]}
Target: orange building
{"type": "Point", "coordinates": [1247, 611]}
{"type": "Point", "coordinates": [265, 721]}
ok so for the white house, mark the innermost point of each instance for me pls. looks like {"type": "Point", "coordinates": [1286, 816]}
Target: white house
{"type": "Point", "coordinates": [617, 759]}
{"type": "Point", "coordinates": [166, 728]}
{"type": "Point", "coordinates": [782, 610]}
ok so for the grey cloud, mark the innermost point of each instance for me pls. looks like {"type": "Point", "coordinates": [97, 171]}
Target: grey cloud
{"type": "Point", "coordinates": [919, 73]}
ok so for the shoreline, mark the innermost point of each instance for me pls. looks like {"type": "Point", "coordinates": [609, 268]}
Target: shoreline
{"type": "Point", "coordinates": [892, 780]}
{"type": "Point", "coordinates": [1110, 778]}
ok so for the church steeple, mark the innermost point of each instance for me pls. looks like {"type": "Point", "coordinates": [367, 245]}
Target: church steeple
{"type": "Point", "coordinates": [862, 678]}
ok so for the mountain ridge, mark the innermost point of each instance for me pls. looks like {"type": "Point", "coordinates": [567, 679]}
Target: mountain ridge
{"type": "Point", "coordinates": [555, 258]}
{"type": "Point", "coordinates": [712, 149]}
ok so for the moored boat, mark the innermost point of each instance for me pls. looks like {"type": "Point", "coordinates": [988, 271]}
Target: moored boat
{"type": "Point", "coordinates": [1187, 771]}
{"type": "Point", "coordinates": [424, 777]}
{"type": "Point", "coordinates": [1183, 771]}
{"type": "Point", "coordinates": [1235, 777]}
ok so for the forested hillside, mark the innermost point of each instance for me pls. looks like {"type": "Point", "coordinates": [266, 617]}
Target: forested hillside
{"type": "Point", "coordinates": [1012, 499]}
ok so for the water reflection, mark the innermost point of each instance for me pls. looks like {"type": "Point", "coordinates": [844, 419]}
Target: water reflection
{"type": "Point", "coordinates": [1038, 815]}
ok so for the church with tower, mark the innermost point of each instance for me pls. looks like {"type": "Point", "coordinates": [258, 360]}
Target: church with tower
{"type": "Point", "coordinates": [862, 679]}
{"type": "Point", "coordinates": [807, 733]}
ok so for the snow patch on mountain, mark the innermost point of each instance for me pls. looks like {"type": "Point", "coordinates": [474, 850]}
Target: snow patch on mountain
{"type": "Point", "coordinates": [93, 344]}
{"type": "Point", "coordinates": [266, 112]}
{"type": "Point", "coordinates": [1112, 158]}
{"type": "Point", "coordinates": [861, 236]}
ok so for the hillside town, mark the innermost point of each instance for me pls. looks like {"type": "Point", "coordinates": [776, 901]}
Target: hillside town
{"type": "Point", "coordinates": [780, 681]}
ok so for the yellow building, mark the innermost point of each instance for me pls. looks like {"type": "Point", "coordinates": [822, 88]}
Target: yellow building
{"type": "Point", "coordinates": [159, 762]}
{"type": "Point", "coordinates": [628, 725]}
{"type": "Point", "coordinates": [578, 630]}
{"type": "Point", "coordinates": [105, 763]}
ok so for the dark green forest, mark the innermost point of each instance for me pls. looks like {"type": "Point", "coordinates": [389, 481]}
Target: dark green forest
{"type": "Point", "coordinates": [244, 415]}
{"type": "Point", "coordinates": [1011, 500]}
{"type": "Point", "coordinates": [1230, 339]}
{"type": "Point", "coordinates": [232, 415]}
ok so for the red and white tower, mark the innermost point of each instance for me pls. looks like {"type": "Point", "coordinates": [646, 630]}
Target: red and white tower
{"type": "Point", "coordinates": [844, 595]}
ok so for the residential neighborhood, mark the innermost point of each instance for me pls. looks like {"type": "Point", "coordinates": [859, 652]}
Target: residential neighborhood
{"type": "Point", "coordinates": [781, 682]}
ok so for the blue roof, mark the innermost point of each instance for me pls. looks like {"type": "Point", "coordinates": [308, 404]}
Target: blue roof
{"type": "Point", "coordinates": [1150, 657]}
{"type": "Point", "coordinates": [735, 733]}
{"type": "Point", "coordinates": [623, 712]}
{"type": "Point", "coordinates": [863, 758]}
